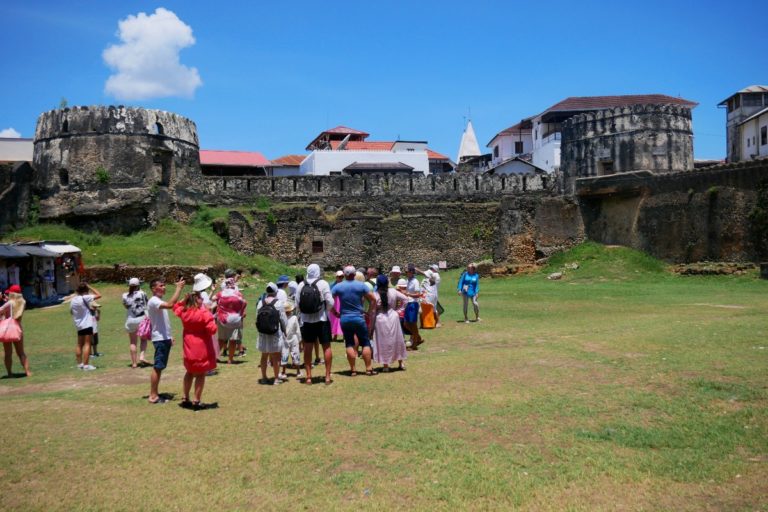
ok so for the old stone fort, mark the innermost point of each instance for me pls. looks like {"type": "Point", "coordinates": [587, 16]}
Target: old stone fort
{"type": "Point", "coordinates": [626, 177]}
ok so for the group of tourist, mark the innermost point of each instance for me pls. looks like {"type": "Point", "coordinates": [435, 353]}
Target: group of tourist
{"type": "Point", "coordinates": [371, 310]}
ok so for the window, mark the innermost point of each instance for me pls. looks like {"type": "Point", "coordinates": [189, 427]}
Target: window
{"type": "Point", "coordinates": [317, 246]}
{"type": "Point", "coordinates": [763, 135]}
{"type": "Point", "coordinates": [736, 101]}
{"type": "Point", "coordinates": [753, 100]}
{"type": "Point", "coordinates": [495, 151]}
{"type": "Point", "coordinates": [65, 126]}
{"type": "Point", "coordinates": [605, 167]}
{"type": "Point", "coordinates": [748, 139]}
{"type": "Point", "coordinates": [158, 129]}
{"type": "Point", "coordinates": [64, 177]}
{"type": "Point", "coordinates": [518, 147]}
{"type": "Point", "coordinates": [410, 149]}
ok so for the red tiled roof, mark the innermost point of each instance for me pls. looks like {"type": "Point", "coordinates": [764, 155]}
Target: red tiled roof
{"type": "Point", "coordinates": [364, 145]}
{"type": "Point", "coordinates": [579, 103]}
{"type": "Point", "coordinates": [289, 160]}
{"type": "Point", "coordinates": [434, 155]}
{"type": "Point", "coordinates": [233, 158]}
{"type": "Point", "coordinates": [345, 130]}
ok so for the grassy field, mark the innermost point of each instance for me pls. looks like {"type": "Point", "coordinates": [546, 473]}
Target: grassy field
{"type": "Point", "coordinates": [619, 387]}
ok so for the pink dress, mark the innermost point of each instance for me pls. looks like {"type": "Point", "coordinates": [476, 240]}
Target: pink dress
{"type": "Point", "coordinates": [335, 321]}
{"type": "Point", "coordinates": [199, 328]}
{"type": "Point", "coordinates": [388, 342]}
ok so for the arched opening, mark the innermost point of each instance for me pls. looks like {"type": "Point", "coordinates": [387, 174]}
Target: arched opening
{"type": "Point", "coordinates": [158, 129]}
{"type": "Point", "coordinates": [63, 177]}
{"type": "Point", "coordinates": [65, 126]}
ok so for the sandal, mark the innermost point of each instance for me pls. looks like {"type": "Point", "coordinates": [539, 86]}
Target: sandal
{"type": "Point", "coordinates": [159, 400]}
{"type": "Point", "coordinates": [328, 382]}
{"type": "Point", "coordinates": [370, 373]}
{"type": "Point", "coordinates": [185, 403]}
{"type": "Point", "coordinates": [353, 374]}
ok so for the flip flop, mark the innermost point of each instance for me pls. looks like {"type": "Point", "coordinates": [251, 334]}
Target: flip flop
{"type": "Point", "coordinates": [158, 401]}
{"type": "Point", "coordinates": [370, 373]}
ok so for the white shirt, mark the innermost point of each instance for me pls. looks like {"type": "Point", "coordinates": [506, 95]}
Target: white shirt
{"type": "Point", "coordinates": [282, 298]}
{"type": "Point", "coordinates": [81, 313]}
{"type": "Point", "coordinates": [325, 293]}
{"type": "Point", "coordinates": [161, 325]}
{"type": "Point", "coordinates": [413, 287]}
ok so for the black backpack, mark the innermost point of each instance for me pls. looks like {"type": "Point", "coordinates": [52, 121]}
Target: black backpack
{"type": "Point", "coordinates": [268, 318]}
{"type": "Point", "coordinates": [310, 300]}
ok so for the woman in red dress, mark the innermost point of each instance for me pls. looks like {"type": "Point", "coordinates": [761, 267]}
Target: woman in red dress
{"type": "Point", "coordinates": [199, 353]}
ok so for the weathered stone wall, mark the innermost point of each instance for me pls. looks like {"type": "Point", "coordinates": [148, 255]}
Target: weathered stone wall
{"type": "Point", "coordinates": [122, 273]}
{"type": "Point", "coordinates": [657, 138]}
{"type": "Point", "coordinates": [313, 188]}
{"type": "Point", "coordinates": [683, 217]}
{"type": "Point", "coordinates": [115, 168]}
{"type": "Point", "coordinates": [15, 195]}
{"type": "Point", "coordinates": [387, 231]}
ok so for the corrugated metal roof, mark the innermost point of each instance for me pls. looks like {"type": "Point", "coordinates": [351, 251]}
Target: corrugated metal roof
{"type": "Point", "coordinates": [233, 158]}
{"type": "Point", "coordinates": [36, 250]}
{"type": "Point", "coordinates": [748, 89]}
{"type": "Point", "coordinates": [60, 248]}
{"type": "Point", "coordinates": [7, 252]}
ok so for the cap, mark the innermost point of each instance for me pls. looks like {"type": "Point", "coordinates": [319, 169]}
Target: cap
{"type": "Point", "coordinates": [349, 270]}
{"type": "Point", "coordinates": [402, 283]}
{"type": "Point", "coordinates": [14, 289]}
{"type": "Point", "coordinates": [339, 273]}
{"type": "Point", "coordinates": [202, 282]}
{"type": "Point", "coordinates": [230, 272]}
{"type": "Point", "coordinates": [283, 279]}
{"type": "Point", "coordinates": [271, 288]}
{"type": "Point", "coordinates": [134, 281]}
{"type": "Point", "coordinates": [433, 267]}
{"type": "Point", "coordinates": [396, 269]}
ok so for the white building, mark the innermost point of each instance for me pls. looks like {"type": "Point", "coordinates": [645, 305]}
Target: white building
{"type": "Point", "coordinates": [468, 147]}
{"type": "Point", "coordinates": [512, 143]}
{"type": "Point", "coordinates": [16, 150]}
{"type": "Point", "coordinates": [344, 151]}
{"type": "Point", "coordinates": [747, 123]}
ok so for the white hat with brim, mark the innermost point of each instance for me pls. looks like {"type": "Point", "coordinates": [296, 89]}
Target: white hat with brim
{"type": "Point", "coordinates": [202, 282]}
{"type": "Point", "coordinates": [395, 269]}
{"type": "Point", "coordinates": [134, 281]}
{"type": "Point", "coordinates": [402, 283]}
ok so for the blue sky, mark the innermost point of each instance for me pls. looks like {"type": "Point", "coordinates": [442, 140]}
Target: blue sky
{"type": "Point", "coordinates": [273, 75]}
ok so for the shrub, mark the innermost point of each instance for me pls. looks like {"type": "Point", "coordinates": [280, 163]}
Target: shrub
{"type": "Point", "coordinates": [102, 175]}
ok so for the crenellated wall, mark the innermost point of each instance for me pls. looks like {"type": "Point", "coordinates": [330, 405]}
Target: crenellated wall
{"type": "Point", "coordinates": [114, 168]}
{"type": "Point", "coordinates": [657, 138]}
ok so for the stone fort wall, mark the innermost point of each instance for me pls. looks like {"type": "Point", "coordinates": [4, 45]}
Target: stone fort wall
{"type": "Point", "coordinates": [710, 214]}
{"type": "Point", "coordinates": [657, 138]}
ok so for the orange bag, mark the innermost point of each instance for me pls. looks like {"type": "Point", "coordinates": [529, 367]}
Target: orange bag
{"type": "Point", "coordinates": [427, 315]}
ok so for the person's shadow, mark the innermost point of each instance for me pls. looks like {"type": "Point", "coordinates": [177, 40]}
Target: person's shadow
{"type": "Point", "coordinates": [14, 376]}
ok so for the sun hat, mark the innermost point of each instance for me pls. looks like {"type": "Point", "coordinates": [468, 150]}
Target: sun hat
{"type": "Point", "coordinates": [402, 283]}
{"type": "Point", "coordinates": [230, 272]}
{"type": "Point", "coordinates": [433, 267]}
{"type": "Point", "coordinates": [349, 270]}
{"type": "Point", "coordinates": [339, 273]}
{"type": "Point", "coordinates": [202, 282]}
{"type": "Point", "coordinates": [283, 279]}
{"type": "Point", "coordinates": [271, 288]}
{"type": "Point", "coordinates": [395, 270]}
{"type": "Point", "coordinates": [96, 305]}
{"type": "Point", "coordinates": [134, 281]}
{"type": "Point", "coordinates": [14, 289]}
{"type": "Point", "coordinates": [289, 307]}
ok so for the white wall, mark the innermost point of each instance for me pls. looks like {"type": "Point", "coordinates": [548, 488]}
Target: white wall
{"type": "Point", "coordinates": [287, 170]}
{"type": "Point", "coordinates": [506, 145]}
{"type": "Point", "coordinates": [547, 156]}
{"type": "Point", "coordinates": [400, 146]}
{"type": "Point", "coordinates": [323, 163]}
{"type": "Point", "coordinates": [514, 167]}
{"type": "Point", "coordinates": [751, 146]}
{"type": "Point", "coordinates": [16, 150]}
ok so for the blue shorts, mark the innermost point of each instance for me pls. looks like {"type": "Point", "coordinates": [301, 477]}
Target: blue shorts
{"type": "Point", "coordinates": [352, 326]}
{"type": "Point", "coordinates": [162, 351]}
{"type": "Point", "coordinates": [411, 312]}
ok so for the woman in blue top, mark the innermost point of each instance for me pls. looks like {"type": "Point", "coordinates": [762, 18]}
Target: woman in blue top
{"type": "Point", "coordinates": [469, 289]}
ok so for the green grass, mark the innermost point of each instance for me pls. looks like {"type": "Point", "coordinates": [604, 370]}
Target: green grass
{"type": "Point", "coordinates": [170, 243]}
{"type": "Point", "coordinates": [625, 390]}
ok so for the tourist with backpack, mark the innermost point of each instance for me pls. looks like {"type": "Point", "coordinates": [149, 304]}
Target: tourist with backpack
{"type": "Point", "coordinates": [270, 322]}
{"type": "Point", "coordinates": [230, 313]}
{"type": "Point", "coordinates": [351, 294]}
{"type": "Point", "coordinates": [315, 301]}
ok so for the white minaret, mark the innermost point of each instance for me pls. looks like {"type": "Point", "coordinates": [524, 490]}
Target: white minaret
{"type": "Point", "coordinates": [469, 146]}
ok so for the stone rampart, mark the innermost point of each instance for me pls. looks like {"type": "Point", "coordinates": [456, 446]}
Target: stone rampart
{"type": "Point", "coordinates": [709, 214]}
{"type": "Point", "coordinates": [115, 167]}
{"type": "Point", "coordinates": [658, 138]}
{"type": "Point", "coordinates": [436, 186]}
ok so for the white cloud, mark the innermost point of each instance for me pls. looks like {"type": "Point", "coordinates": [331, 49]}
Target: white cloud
{"type": "Point", "coordinates": [146, 62]}
{"type": "Point", "coordinates": [10, 133]}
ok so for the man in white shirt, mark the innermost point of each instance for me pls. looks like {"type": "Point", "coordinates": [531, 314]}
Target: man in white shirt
{"type": "Point", "coordinates": [434, 269]}
{"type": "Point", "coordinates": [315, 325]}
{"type": "Point", "coordinates": [162, 338]}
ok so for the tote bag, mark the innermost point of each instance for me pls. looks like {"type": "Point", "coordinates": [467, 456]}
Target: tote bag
{"type": "Point", "coordinates": [145, 329]}
{"type": "Point", "coordinates": [10, 331]}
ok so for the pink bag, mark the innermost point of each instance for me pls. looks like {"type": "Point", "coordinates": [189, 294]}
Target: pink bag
{"type": "Point", "coordinates": [145, 329]}
{"type": "Point", "coordinates": [10, 330]}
